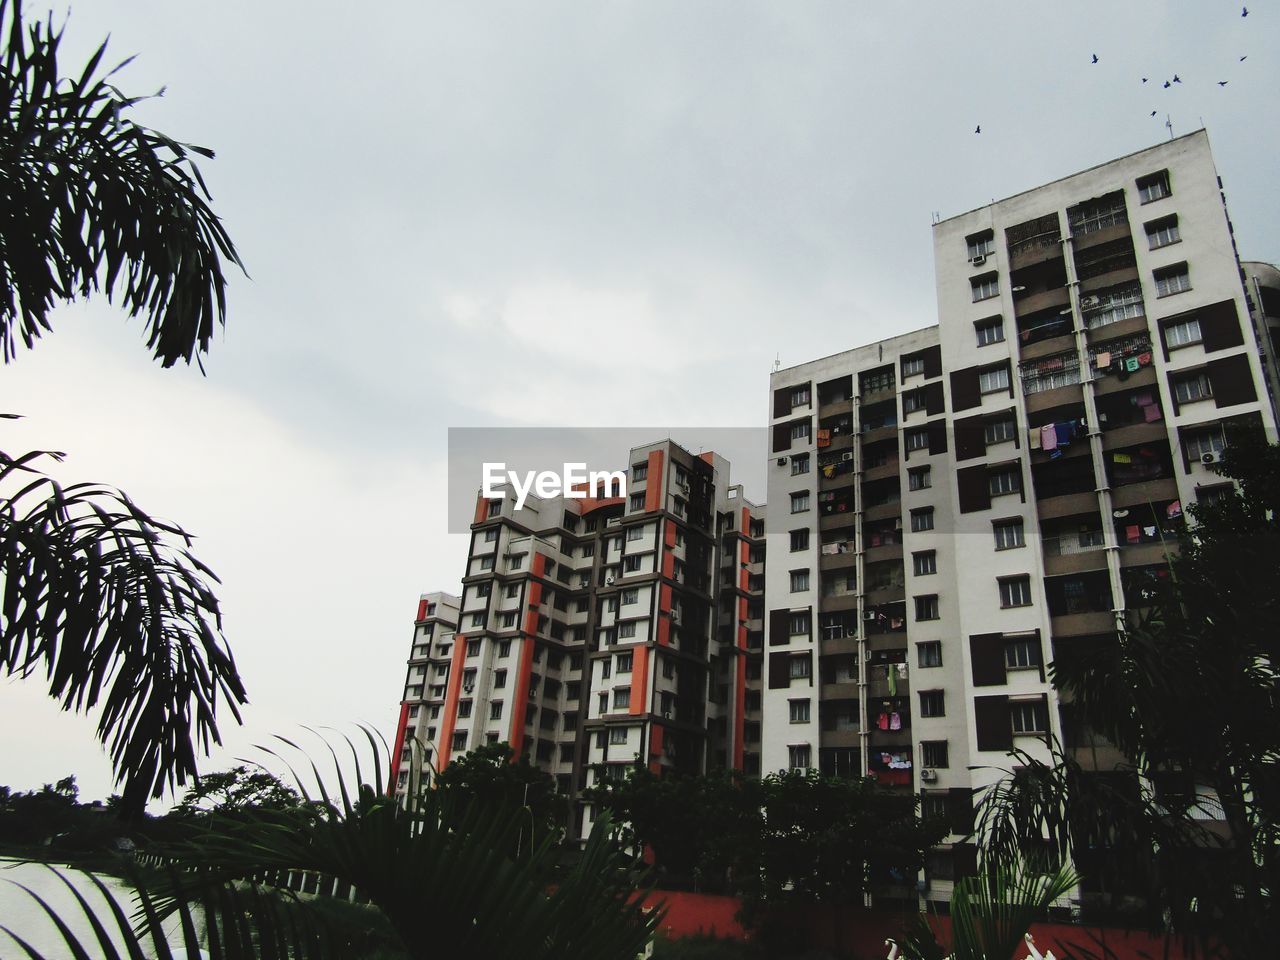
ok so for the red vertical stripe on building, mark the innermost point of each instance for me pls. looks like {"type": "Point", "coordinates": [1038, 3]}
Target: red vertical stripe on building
{"type": "Point", "coordinates": [653, 482]}
{"type": "Point", "coordinates": [482, 508]}
{"type": "Point", "coordinates": [422, 609]}
{"type": "Point", "coordinates": [395, 754]}
{"type": "Point", "coordinates": [740, 712]}
{"type": "Point", "coordinates": [639, 680]}
{"type": "Point", "coordinates": [656, 733]}
{"type": "Point", "coordinates": [521, 700]}
{"type": "Point", "coordinates": [664, 614]}
{"type": "Point", "coordinates": [444, 746]}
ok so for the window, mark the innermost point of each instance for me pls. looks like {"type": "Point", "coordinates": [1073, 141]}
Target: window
{"type": "Point", "coordinates": [459, 741]}
{"type": "Point", "coordinates": [621, 698]}
{"type": "Point", "coordinates": [637, 501]}
{"type": "Point", "coordinates": [617, 735]}
{"type": "Point", "coordinates": [1000, 431]}
{"type": "Point", "coordinates": [798, 669]}
{"type": "Point", "coordinates": [799, 540]}
{"type": "Point", "coordinates": [1162, 232]}
{"type": "Point", "coordinates": [513, 591]}
{"type": "Point", "coordinates": [486, 563]}
{"type": "Point", "coordinates": [1022, 653]}
{"type": "Point", "coordinates": [1015, 591]}
{"type": "Point", "coordinates": [922, 520]}
{"type": "Point", "coordinates": [624, 663]}
{"type": "Point", "coordinates": [509, 620]}
{"type": "Point", "coordinates": [799, 464]}
{"type": "Point", "coordinates": [990, 331]}
{"type": "Point", "coordinates": [933, 753]}
{"type": "Point", "coordinates": [917, 439]}
{"type": "Point", "coordinates": [1003, 481]}
{"type": "Point", "coordinates": [929, 654]}
{"type": "Point", "coordinates": [477, 620]}
{"type": "Point", "coordinates": [482, 589]}
{"type": "Point", "coordinates": [473, 648]}
{"type": "Point", "coordinates": [495, 508]}
{"type": "Point", "coordinates": [635, 533]}
{"type": "Point", "coordinates": [799, 711]}
{"type": "Point", "coordinates": [799, 624]}
{"type": "Point", "coordinates": [1182, 334]}
{"type": "Point", "coordinates": [630, 596]}
{"type": "Point", "coordinates": [800, 502]}
{"type": "Point", "coordinates": [927, 607]}
{"type": "Point", "coordinates": [632, 564]}
{"type": "Point", "coordinates": [799, 581]}
{"type": "Point", "coordinates": [495, 710]}
{"type": "Point", "coordinates": [504, 648]}
{"type": "Point", "coordinates": [639, 471]}
{"type": "Point", "coordinates": [912, 366]}
{"type": "Point", "coordinates": [800, 396]}
{"type": "Point", "coordinates": [918, 478]}
{"type": "Point", "coordinates": [604, 708]}
{"type": "Point", "coordinates": [925, 563]}
{"type": "Point", "coordinates": [798, 756]}
{"type": "Point", "coordinates": [1199, 443]}
{"type": "Point", "coordinates": [1008, 534]}
{"type": "Point", "coordinates": [980, 244]}
{"type": "Point", "coordinates": [913, 400]}
{"type": "Point", "coordinates": [491, 535]}
{"type": "Point", "coordinates": [499, 679]}
{"type": "Point", "coordinates": [800, 431]}
{"type": "Point", "coordinates": [993, 379]}
{"type": "Point", "coordinates": [1154, 186]}
{"type": "Point", "coordinates": [1171, 280]}
{"type": "Point", "coordinates": [1192, 388]}
{"type": "Point", "coordinates": [626, 630]}
{"type": "Point", "coordinates": [985, 287]}
{"type": "Point", "coordinates": [933, 703]}
{"type": "Point", "coordinates": [1029, 716]}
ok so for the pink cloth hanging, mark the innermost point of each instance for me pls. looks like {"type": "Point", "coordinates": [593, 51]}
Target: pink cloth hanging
{"type": "Point", "coordinates": [1048, 437]}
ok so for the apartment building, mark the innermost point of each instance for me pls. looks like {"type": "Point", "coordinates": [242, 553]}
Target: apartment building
{"type": "Point", "coordinates": [609, 631]}
{"type": "Point", "coordinates": [960, 505]}
{"type": "Point", "coordinates": [433, 631]}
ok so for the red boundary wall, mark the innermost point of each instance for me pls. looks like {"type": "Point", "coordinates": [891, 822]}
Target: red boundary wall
{"type": "Point", "coordinates": [861, 933]}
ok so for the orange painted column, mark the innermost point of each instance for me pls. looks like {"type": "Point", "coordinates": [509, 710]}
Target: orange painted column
{"type": "Point", "coordinates": [395, 754]}
{"type": "Point", "coordinates": [444, 745]}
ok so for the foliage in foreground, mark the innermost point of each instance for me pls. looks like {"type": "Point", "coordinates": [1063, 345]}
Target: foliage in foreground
{"type": "Point", "coordinates": [413, 883]}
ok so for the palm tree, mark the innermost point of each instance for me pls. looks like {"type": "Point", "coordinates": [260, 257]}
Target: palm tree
{"type": "Point", "coordinates": [103, 599]}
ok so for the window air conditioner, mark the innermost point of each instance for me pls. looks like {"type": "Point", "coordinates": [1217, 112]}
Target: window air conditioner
{"type": "Point", "coordinates": [1211, 457]}
{"type": "Point", "coordinates": [782, 461]}
{"type": "Point", "coordinates": [468, 687]}
{"type": "Point", "coordinates": [609, 581]}
{"type": "Point", "coordinates": [979, 260]}
{"type": "Point", "coordinates": [928, 776]}
{"type": "Point", "coordinates": [847, 455]}
{"type": "Point", "coordinates": [869, 615]}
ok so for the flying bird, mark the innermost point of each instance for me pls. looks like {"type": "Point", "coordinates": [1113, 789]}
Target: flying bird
{"type": "Point", "coordinates": [1166, 84]}
{"type": "Point", "coordinates": [1153, 113]}
{"type": "Point", "coordinates": [1176, 78]}
{"type": "Point", "coordinates": [1223, 83]}
{"type": "Point", "coordinates": [1244, 58]}
{"type": "Point", "coordinates": [1095, 58]}
{"type": "Point", "coordinates": [978, 128]}
{"type": "Point", "coordinates": [1244, 12]}
{"type": "Point", "coordinates": [1144, 79]}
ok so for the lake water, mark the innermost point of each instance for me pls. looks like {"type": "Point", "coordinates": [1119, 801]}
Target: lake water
{"type": "Point", "coordinates": [21, 914]}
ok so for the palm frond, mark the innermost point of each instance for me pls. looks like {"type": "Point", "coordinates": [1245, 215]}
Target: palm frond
{"type": "Point", "coordinates": [96, 202]}
{"type": "Point", "coordinates": [112, 607]}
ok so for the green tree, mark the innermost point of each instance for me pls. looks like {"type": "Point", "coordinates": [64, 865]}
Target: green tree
{"type": "Point", "coordinates": [104, 600]}
{"type": "Point", "coordinates": [1189, 694]}
{"type": "Point", "coordinates": [490, 778]}
{"type": "Point", "coordinates": [236, 790]}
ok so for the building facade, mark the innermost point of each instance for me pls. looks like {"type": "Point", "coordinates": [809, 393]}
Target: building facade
{"type": "Point", "coordinates": [597, 633]}
{"type": "Point", "coordinates": [956, 507]}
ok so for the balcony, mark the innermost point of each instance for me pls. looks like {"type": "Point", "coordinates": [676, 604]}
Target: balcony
{"type": "Point", "coordinates": [1133, 434]}
{"type": "Point", "coordinates": [1146, 554]}
{"type": "Point", "coordinates": [1109, 383]}
{"type": "Point", "coordinates": [841, 737]}
{"type": "Point", "coordinates": [1083, 624]}
{"type": "Point", "coordinates": [886, 551]}
{"type": "Point", "coordinates": [834, 407]}
{"type": "Point", "coordinates": [1074, 553]}
{"type": "Point", "coordinates": [1058, 396]}
{"type": "Point", "coordinates": [892, 593]}
{"type": "Point", "coordinates": [1108, 230]}
{"type": "Point", "coordinates": [1054, 298]}
{"type": "Point", "coordinates": [879, 433]}
{"type": "Point", "coordinates": [881, 471]}
{"type": "Point", "coordinates": [883, 511]}
{"type": "Point", "coordinates": [837, 602]}
{"type": "Point", "coordinates": [1126, 327]}
{"type": "Point", "coordinates": [1035, 241]}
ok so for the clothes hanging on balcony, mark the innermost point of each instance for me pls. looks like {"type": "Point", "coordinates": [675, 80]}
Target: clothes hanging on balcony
{"type": "Point", "coordinates": [824, 437]}
{"type": "Point", "coordinates": [895, 721]}
{"type": "Point", "coordinates": [882, 721]}
{"type": "Point", "coordinates": [1033, 436]}
{"type": "Point", "coordinates": [1174, 509]}
{"type": "Point", "coordinates": [1065, 432]}
{"type": "Point", "coordinates": [1151, 413]}
{"type": "Point", "coordinates": [893, 682]}
{"type": "Point", "coordinates": [1048, 437]}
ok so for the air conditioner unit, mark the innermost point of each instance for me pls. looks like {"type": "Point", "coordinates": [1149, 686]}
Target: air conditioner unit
{"type": "Point", "coordinates": [869, 615]}
{"type": "Point", "coordinates": [468, 687]}
{"type": "Point", "coordinates": [609, 581]}
{"type": "Point", "coordinates": [1090, 301]}
{"type": "Point", "coordinates": [675, 616]}
{"type": "Point", "coordinates": [928, 776]}
{"type": "Point", "coordinates": [1212, 456]}
{"type": "Point", "coordinates": [782, 461]}
{"type": "Point", "coordinates": [847, 455]}
{"type": "Point", "coordinates": [666, 714]}
{"type": "Point", "coordinates": [979, 260]}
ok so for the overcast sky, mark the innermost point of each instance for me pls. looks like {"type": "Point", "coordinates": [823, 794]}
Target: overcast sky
{"type": "Point", "coordinates": [543, 214]}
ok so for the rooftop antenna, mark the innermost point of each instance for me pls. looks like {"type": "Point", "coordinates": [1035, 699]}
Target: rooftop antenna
{"type": "Point", "coordinates": [777, 362]}
{"type": "Point", "coordinates": [1168, 122]}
